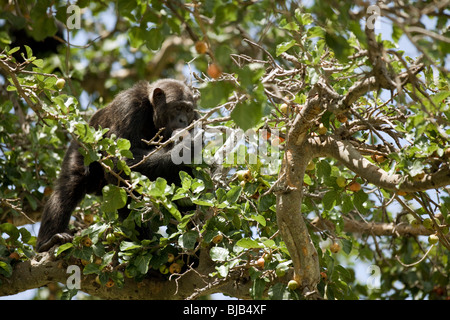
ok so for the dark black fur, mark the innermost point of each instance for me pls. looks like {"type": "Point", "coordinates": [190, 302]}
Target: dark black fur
{"type": "Point", "coordinates": [135, 114]}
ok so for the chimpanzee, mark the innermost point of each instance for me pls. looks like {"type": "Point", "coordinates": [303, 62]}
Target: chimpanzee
{"type": "Point", "coordinates": [136, 114]}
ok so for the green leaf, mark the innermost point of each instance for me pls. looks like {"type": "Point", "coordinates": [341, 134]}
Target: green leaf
{"type": "Point", "coordinates": [42, 25]}
{"type": "Point", "coordinates": [29, 52]}
{"type": "Point", "coordinates": [142, 262]}
{"type": "Point", "coordinates": [129, 245]}
{"type": "Point", "coordinates": [291, 26]}
{"type": "Point", "coordinates": [359, 199]}
{"type": "Point", "coordinates": [155, 38]}
{"type": "Point", "coordinates": [279, 292]}
{"type": "Point", "coordinates": [197, 186]}
{"type": "Point", "coordinates": [219, 254]}
{"type": "Point", "coordinates": [13, 50]}
{"type": "Point", "coordinates": [440, 97]}
{"type": "Point", "coordinates": [113, 198]}
{"type": "Point", "coordinates": [215, 93]}
{"type": "Point", "coordinates": [347, 246]}
{"type": "Point", "coordinates": [260, 219]}
{"type": "Point", "coordinates": [257, 289]}
{"type": "Point", "coordinates": [83, 253]}
{"type": "Point", "coordinates": [226, 13]}
{"type": "Point", "coordinates": [329, 199]}
{"type": "Point", "coordinates": [172, 209]}
{"type": "Point", "coordinates": [11, 230]}
{"type": "Point", "coordinates": [396, 33]}
{"type": "Point", "coordinates": [136, 36]}
{"type": "Point", "coordinates": [38, 63]}
{"type": "Point", "coordinates": [5, 269]}
{"type": "Point", "coordinates": [249, 243]}
{"type": "Point", "coordinates": [186, 180]}
{"type": "Point", "coordinates": [247, 114]}
{"type": "Point", "coordinates": [4, 38]}
{"type": "Point", "coordinates": [303, 18]}
{"type": "Point", "coordinates": [233, 194]}
{"type": "Point", "coordinates": [339, 45]}
{"type": "Point", "coordinates": [285, 46]}
{"type": "Point", "coordinates": [223, 270]}
{"type": "Point", "coordinates": [158, 188]}
{"type": "Point", "coordinates": [123, 144]}
{"type": "Point", "coordinates": [269, 244]}
{"type": "Point", "coordinates": [315, 32]}
{"type": "Point", "coordinates": [26, 235]}
{"type": "Point", "coordinates": [347, 204]}
{"type": "Point", "coordinates": [188, 240]}
{"type": "Point", "coordinates": [92, 268]}
{"type": "Point", "coordinates": [63, 248]}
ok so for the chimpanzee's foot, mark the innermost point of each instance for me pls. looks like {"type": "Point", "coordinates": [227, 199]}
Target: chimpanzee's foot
{"type": "Point", "coordinates": [59, 238]}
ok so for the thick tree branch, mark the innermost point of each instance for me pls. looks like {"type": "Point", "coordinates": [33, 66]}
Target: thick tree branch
{"type": "Point", "coordinates": [374, 228]}
{"type": "Point", "coordinates": [44, 269]}
{"type": "Point", "coordinates": [344, 152]}
{"type": "Point", "coordinates": [291, 222]}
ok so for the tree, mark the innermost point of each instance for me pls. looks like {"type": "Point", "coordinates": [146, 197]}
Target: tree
{"type": "Point", "coordinates": [326, 148]}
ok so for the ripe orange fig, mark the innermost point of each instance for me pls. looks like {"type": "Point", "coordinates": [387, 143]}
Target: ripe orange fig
{"type": "Point", "coordinates": [201, 47]}
{"type": "Point", "coordinates": [110, 283]}
{"type": "Point", "coordinates": [15, 256]}
{"type": "Point", "coordinates": [88, 218]}
{"type": "Point", "coordinates": [335, 247]}
{"type": "Point", "coordinates": [214, 71]}
{"type": "Point", "coordinates": [260, 263]}
{"type": "Point", "coordinates": [86, 242]}
{"type": "Point", "coordinates": [378, 158]}
{"type": "Point", "coordinates": [175, 268]}
{"type": "Point", "coordinates": [342, 118]}
{"type": "Point", "coordinates": [47, 191]}
{"type": "Point", "coordinates": [354, 186]}
{"type": "Point", "coordinates": [217, 239]}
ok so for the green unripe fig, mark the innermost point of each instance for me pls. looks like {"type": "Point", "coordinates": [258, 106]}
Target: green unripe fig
{"type": "Point", "coordinates": [433, 239]}
{"type": "Point", "coordinates": [341, 182]}
{"type": "Point", "coordinates": [60, 83]}
{"type": "Point", "coordinates": [292, 285]}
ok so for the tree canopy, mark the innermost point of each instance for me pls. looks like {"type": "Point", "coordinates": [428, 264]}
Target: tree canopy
{"type": "Point", "coordinates": [326, 151]}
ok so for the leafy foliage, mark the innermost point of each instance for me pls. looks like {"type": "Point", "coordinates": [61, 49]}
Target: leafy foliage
{"type": "Point", "coordinates": [270, 55]}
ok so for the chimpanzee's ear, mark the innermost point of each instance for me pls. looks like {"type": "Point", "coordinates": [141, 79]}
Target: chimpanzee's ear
{"type": "Point", "coordinates": [158, 97]}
